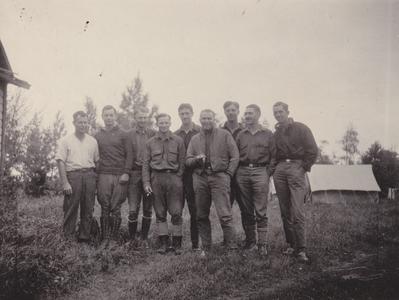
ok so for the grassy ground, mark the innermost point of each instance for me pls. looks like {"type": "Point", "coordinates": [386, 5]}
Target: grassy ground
{"type": "Point", "coordinates": [353, 250]}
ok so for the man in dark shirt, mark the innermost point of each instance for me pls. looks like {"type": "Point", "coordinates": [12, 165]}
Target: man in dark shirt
{"type": "Point", "coordinates": [255, 145]}
{"type": "Point", "coordinates": [114, 167]}
{"type": "Point", "coordinates": [139, 136]}
{"type": "Point", "coordinates": [231, 111]}
{"type": "Point", "coordinates": [187, 130]}
{"type": "Point", "coordinates": [296, 152]}
{"type": "Point", "coordinates": [162, 174]}
{"type": "Point", "coordinates": [213, 155]}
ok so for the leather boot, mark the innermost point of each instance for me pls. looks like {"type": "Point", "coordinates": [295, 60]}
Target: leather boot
{"type": "Point", "coordinates": [176, 244]}
{"type": "Point", "coordinates": [145, 227]}
{"type": "Point", "coordinates": [132, 229]}
{"type": "Point", "coordinates": [114, 232]}
{"type": "Point", "coordinates": [163, 240]}
{"type": "Point", "coordinates": [105, 231]}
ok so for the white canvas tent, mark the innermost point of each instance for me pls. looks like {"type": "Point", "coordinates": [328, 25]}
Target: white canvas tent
{"type": "Point", "coordinates": [339, 184]}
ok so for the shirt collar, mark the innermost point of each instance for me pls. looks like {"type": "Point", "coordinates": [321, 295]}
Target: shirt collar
{"type": "Point", "coordinates": [258, 128]}
{"type": "Point", "coordinates": [167, 136]}
{"type": "Point", "coordinates": [282, 127]}
{"type": "Point", "coordinates": [240, 127]}
{"type": "Point", "coordinates": [116, 127]}
{"type": "Point", "coordinates": [194, 127]}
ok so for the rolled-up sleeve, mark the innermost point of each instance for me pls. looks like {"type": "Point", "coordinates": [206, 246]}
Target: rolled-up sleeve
{"type": "Point", "coordinates": [62, 151]}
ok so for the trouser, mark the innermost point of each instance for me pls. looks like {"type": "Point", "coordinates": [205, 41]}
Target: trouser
{"type": "Point", "coordinates": [289, 180]}
{"type": "Point", "coordinates": [168, 197]}
{"type": "Point", "coordinates": [83, 184]}
{"type": "Point", "coordinates": [111, 194]}
{"type": "Point", "coordinates": [189, 195]}
{"type": "Point", "coordinates": [254, 187]}
{"type": "Point", "coordinates": [213, 187]}
{"type": "Point", "coordinates": [136, 196]}
{"type": "Point", "coordinates": [234, 194]}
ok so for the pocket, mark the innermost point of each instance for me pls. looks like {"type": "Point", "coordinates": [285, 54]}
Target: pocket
{"type": "Point", "coordinates": [172, 156]}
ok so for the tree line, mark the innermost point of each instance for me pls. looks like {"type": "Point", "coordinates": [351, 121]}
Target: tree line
{"type": "Point", "coordinates": [30, 147]}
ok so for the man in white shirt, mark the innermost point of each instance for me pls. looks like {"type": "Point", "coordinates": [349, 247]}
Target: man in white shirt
{"type": "Point", "coordinates": [77, 155]}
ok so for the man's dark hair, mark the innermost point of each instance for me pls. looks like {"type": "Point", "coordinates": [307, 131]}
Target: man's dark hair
{"type": "Point", "coordinates": [255, 107]}
{"type": "Point", "coordinates": [185, 106]}
{"type": "Point", "coordinates": [228, 103]}
{"type": "Point", "coordinates": [79, 113]}
{"type": "Point", "coordinates": [280, 103]}
{"type": "Point", "coordinates": [108, 107]}
{"type": "Point", "coordinates": [162, 115]}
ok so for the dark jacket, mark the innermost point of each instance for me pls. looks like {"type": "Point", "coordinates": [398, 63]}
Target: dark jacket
{"type": "Point", "coordinates": [115, 151]}
{"type": "Point", "coordinates": [163, 154]}
{"type": "Point", "coordinates": [138, 139]}
{"type": "Point", "coordinates": [295, 141]}
{"type": "Point", "coordinates": [223, 152]}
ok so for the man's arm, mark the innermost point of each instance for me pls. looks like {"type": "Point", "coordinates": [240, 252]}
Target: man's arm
{"type": "Point", "coordinates": [146, 169]}
{"type": "Point", "coordinates": [66, 187]}
{"type": "Point", "coordinates": [182, 158]}
{"type": "Point", "coordinates": [234, 155]}
{"type": "Point", "coordinates": [310, 147]}
{"type": "Point", "coordinates": [273, 157]}
{"type": "Point", "coordinates": [128, 159]}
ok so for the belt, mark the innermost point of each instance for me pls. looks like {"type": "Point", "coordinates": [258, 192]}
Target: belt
{"type": "Point", "coordinates": [253, 165]}
{"type": "Point", "coordinates": [164, 171]}
{"type": "Point", "coordinates": [82, 170]}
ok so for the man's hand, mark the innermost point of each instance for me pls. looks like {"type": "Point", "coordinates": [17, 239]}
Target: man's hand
{"type": "Point", "coordinates": [124, 178]}
{"type": "Point", "coordinates": [67, 189]}
{"type": "Point", "coordinates": [148, 189]}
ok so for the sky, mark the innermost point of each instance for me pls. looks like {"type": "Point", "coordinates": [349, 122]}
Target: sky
{"type": "Point", "coordinates": [334, 62]}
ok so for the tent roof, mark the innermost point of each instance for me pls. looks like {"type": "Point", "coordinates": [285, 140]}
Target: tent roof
{"type": "Point", "coordinates": [336, 177]}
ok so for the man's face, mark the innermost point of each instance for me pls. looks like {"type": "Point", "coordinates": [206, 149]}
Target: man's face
{"type": "Point", "coordinates": [280, 114]}
{"type": "Point", "coordinates": [141, 119]}
{"type": "Point", "coordinates": [81, 124]}
{"type": "Point", "coordinates": [207, 120]}
{"type": "Point", "coordinates": [109, 117]}
{"type": "Point", "coordinates": [163, 124]}
{"type": "Point", "coordinates": [251, 116]}
{"type": "Point", "coordinates": [186, 116]}
{"type": "Point", "coordinates": [231, 113]}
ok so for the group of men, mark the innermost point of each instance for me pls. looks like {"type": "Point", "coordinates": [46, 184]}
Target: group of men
{"type": "Point", "coordinates": [196, 164]}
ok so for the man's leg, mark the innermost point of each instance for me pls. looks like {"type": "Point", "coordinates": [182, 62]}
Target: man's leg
{"type": "Point", "coordinates": [244, 183]}
{"type": "Point", "coordinates": [220, 186]}
{"type": "Point", "coordinates": [71, 204]}
{"type": "Point", "coordinates": [175, 208]}
{"type": "Point", "coordinates": [134, 197]}
{"type": "Point", "coordinates": [87, 205]}
{"type": "Point", "coordinates": [117, 198]}
{"type": "Point", "coordinates": [297, 185]}
{"type": "Point", "coordinates": [190, 198]}
{"type": "Point", "coordinates": [203, 205]}
{"type": "Point", "coordinates": [160, 207]}
{"type": "Point", "coordinates": [147, 216]}
{"type": "Point", "coordinates": [284, 197]}
{"type": "Point", "coordinates": [260, 185]}
{"type": "Point", "coordinates": [104, 193]}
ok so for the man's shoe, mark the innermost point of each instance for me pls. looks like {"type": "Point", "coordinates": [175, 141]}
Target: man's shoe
{"type": "Point", "coordinates": [262, 249]}
{"type": "Point", "coordinates": [163, 239]}
{"type": "Point", "coordinates": [176, 244]}
{"type": "Point", "coordinates": [289, 251]}
{"type": "Point", "coordinates": [145, 244]}
{"type": "Point", "coordinates": [250, 246]}
{"type": "Point", "coordinates": [302, 257]}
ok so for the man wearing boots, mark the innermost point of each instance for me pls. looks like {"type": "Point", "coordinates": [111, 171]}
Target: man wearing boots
{"type": "Point", "coordinates": [296, 152]}
{"type": "Point", "coordinates": [213, 155]}
{"type": "Point", "coordinates": [162, 175]}
{"type": "Point", "coordinates": [256, 148]}
{"type": "Point", "coordinates": [77, 155]}
{"type": "Point", "coordinates": [187, 130]}
{"type": "Point", "coordinates": [139, 135]}
{"type": "Point", "coordinates": [113, 169]}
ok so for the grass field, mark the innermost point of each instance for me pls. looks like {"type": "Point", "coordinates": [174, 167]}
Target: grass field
{"type": "Point", "coordinates": [353, 248]}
